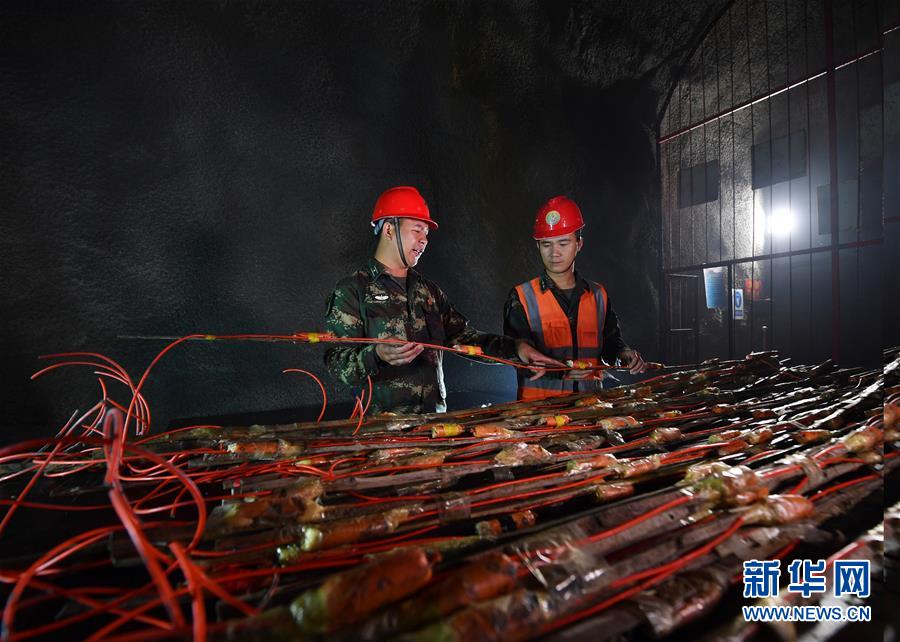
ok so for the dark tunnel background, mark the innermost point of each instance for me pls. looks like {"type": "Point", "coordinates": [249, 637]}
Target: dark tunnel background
{"type": "Point", "coordinates": [172, 168]}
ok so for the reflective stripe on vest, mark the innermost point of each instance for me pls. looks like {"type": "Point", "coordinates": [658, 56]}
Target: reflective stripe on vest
{"type": "Point", "coordinates": [552, 333]}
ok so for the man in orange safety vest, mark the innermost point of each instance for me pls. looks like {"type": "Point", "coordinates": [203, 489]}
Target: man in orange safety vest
{"type": "Point", "coordinates": [561, 313]}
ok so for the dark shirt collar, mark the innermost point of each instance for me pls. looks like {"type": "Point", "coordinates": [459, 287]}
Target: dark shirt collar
{"type": "Point", "coordinates": [375, 268]}
{"type": "Point", "coordinates": [547, 282]}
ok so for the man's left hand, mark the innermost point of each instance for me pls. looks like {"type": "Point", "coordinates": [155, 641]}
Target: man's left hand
{"type": "Point", "coordinates": [529, 355]}
{"type": "Point", "coordinates": [632, 360]}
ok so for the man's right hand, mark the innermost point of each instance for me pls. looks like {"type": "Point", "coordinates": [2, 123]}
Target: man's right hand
{"type": "Point", "coordinates": [398, 354]}
{"type": "Point", "coordinates": [528, 354]}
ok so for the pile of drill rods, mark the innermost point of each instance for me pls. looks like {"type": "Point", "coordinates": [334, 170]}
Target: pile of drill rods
{"type": "Point", "coordinates": [581, 505]}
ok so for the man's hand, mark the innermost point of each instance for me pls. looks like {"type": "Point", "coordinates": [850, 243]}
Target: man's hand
{"type": "Point", "coordinates": [398, 354]}
{"type": "Point", "coordinates": [528, 355]}
{"type": "Point", "coordinates": [633, 360]}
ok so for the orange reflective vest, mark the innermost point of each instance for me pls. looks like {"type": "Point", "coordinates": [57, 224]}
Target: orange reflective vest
{"type": "Point", "coordinates": [552, 334]}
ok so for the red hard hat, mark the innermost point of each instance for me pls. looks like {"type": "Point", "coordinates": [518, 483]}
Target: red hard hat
{"type": "Point", "coordinates": [557, 217]}
{"type": "Point", "coordinates": [402, 202]}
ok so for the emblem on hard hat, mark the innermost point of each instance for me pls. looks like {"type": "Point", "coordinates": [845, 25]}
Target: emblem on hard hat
{"type": "Point", "coordinates": [552, 217]}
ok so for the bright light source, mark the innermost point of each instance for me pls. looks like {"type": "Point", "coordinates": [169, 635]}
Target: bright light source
{"type": "Point", "coordinates": [780, 222]}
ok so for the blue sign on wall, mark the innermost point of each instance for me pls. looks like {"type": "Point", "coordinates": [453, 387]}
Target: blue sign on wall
{"type": "Point", "coordinates": [738, 295]}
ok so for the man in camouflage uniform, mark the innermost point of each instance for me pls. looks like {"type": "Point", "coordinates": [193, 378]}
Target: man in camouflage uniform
{"type": "Point", "coordinates": [389, 299]}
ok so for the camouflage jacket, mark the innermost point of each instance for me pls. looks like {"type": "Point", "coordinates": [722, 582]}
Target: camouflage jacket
{"type": "Point", "coordinates": [371, 303]}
